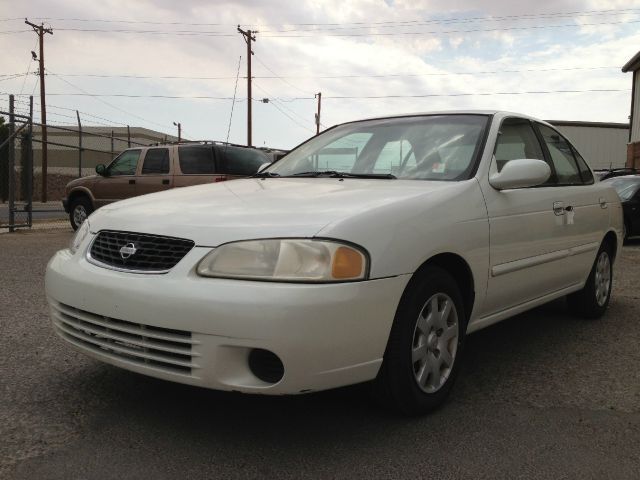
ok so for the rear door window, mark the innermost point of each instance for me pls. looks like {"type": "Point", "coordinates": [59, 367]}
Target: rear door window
{"type": "Point", "coordinates": [196, 159]}
{"type": "Point", "coordinates": [240, 161]}
{"type": "Point", "coordinates": [156, 162]}
{"type": "Point", "coordinates": [585, 172]}
{"type": "Point", "coordinates": [566, 168]}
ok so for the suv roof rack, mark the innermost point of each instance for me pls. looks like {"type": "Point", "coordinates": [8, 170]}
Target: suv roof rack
{"type": "Point", "coordinates": [216, 142]}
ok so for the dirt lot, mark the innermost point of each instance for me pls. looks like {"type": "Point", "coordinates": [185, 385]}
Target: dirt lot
{"type": "Point", "coordinates": [543, 395]}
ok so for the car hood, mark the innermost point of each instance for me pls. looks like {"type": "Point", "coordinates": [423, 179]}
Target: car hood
{"type": "Point", "coordinates": [213, 214]}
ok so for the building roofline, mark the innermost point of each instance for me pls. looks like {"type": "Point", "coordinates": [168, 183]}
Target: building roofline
{"type": "Point", "coordinates": [633, 64]}
{"type": "Point", "coordinates": [575, 123]}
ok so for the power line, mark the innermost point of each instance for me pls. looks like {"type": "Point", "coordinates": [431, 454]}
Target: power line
{"type": "Point", "coordinates": [452, 21]}
{"type": "Point", "coordinates": [479, 94]}
{"type": "Point", "coordinates": [272, 98]}
{"type": "Point", "coordinates": [389, 75]}
{"type": "Point", "coordinates": [335, 97]}
{"type": "Point", "coordinates": [281, 78]}
{"type": "Point", "coordinates": [319, 33]}
{"type": "Point", "coordinates": [233, 103]}
{"type": "Point", "coordinates": [97, 97]}
{"type": "Point", "coordinates": [441, 32]}
{"type": "Point", "coordinates": [377, 24]}
{"type": "Point", "coordinates": [28, 67]}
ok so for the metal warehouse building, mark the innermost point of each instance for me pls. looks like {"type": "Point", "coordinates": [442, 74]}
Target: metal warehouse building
{"type": "Point", "coordinates": [603, 145]}
{"type": "Point", "coordinates": [633, 150]}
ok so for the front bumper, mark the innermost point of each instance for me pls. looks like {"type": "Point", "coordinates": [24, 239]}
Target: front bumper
{"type": "Point", "coordinates": [327, 335]}
{"type": "Point", "coordinates": [65, 204]}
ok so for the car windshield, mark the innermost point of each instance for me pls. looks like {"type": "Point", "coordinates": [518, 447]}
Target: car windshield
{"type": "Point", "coordinates": [626, 187]}
{"type": "Point", "coordinates": [434, 147]}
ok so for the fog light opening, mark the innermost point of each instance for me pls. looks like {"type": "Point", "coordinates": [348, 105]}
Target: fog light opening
{"type": "Point", "coordinates": [266, 365]}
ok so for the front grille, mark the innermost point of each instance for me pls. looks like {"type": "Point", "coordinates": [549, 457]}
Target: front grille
{"type": "Point", "coordinates": [144, 253]}
{"type": "Point", "coordinates": [164, 349]}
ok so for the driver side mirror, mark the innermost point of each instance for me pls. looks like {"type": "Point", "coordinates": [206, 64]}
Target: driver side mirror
{"type": "Point", "coordinates": [101, 170]}
{"type": "Point", "coordinates": [522, 173]}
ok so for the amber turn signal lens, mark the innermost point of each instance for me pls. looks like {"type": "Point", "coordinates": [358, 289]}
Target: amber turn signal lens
{"type": "Point", "coordinates": [347, 263]}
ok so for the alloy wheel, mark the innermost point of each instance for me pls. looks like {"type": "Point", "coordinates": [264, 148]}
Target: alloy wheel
{"type": "Point", "coordinates": [603, 278]}
{"type": "Point", "coordinates": [435, 343]}
{"type": "Point", "coordinates": [79, 215]}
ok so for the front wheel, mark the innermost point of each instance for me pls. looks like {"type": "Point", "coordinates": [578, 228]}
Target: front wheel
{"type": "Point", "coordinates": [593, 299]}
{"type": "Point", "coordinates": [425, 345]}
{"type": "Point", "coordinates": [79, 209]}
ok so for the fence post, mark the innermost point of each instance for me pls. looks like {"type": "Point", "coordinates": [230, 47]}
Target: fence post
{"type": "Point", "coordinates": [79, 145]}
{"type": "Point", "coordinates": [111, 143]}
{"type": "Point", "coordinates": [29, 166]}
{"type": "Point", "coordinates": [128, 137]}
{"type": "Point", "coordinates": [12, 163]}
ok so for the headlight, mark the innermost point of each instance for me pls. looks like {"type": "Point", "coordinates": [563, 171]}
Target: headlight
{"type": "Point", "coordinates": [287, 260]}
{"type": "Point", "coordinates": [80, 235]}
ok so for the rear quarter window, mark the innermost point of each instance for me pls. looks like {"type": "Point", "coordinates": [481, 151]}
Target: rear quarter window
{"type": "Point", "coordinates": [240, 161]}
{"type": "Point", "coordinates": [196, 159]}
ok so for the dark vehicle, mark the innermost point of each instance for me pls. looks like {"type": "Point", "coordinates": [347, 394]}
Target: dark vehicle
{"type": "Point", "coordinates": [615, 172]}
{"type": "Point", "coordinates": [138, 171]}
{"type": "Point", "coordinates": [628, 188]}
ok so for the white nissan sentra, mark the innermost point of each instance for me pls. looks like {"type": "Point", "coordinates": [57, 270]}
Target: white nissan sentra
{"type": "Point", "coordinates": [365, 254]}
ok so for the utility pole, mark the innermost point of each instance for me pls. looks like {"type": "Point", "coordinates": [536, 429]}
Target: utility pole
{"type": "Point", "coordinates": [179, 125]}
{"type": "Point", "coordinates": [40, 31]}
{"type": "Point", "coordinates": [248, 38]}
{"type": "Point", "coordinates": [319, 97]}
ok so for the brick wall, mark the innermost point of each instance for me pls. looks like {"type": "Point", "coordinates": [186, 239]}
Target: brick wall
{"type": "Point", "coordinates": [633, 155]}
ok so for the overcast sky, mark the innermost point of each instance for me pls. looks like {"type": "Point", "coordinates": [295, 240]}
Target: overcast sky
{"type": "Point", "coordinates": [421, 55]}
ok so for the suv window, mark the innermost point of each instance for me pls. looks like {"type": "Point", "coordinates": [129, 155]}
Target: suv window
{"type": "Point", "coordinates": [566, 168]}
{"type": "Point", "coordinates": [516, 141]}
{"type": "Point", "coordinates": [240, 161]}
{"type": "Point", "coordinates": [156, 161]}
{"type": "Point", "coordinates": [125, 163]}
{"type": "Point", "coordinates": [196, 159]}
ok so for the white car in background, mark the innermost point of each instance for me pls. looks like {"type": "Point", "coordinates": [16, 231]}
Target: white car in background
{"type": "Point", "coordinates": [365, 254]}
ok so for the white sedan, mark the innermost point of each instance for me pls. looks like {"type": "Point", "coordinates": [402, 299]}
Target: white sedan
{"type": "Point", "coordinates": [365, 254]}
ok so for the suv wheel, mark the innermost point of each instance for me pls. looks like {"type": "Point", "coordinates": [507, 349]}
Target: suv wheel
{"type": "Point", "coordinates": [79, 209]}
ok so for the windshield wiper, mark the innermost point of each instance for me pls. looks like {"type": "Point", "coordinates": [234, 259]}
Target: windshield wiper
{"type": "Point", "coordinates": [337, 174]}
{"type": "Point", "coordinates": [265, 175]}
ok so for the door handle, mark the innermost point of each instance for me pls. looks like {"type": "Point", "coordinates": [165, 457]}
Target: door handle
{"type": "Point", "coordinates": [558, 208]}
{"type": "Point", "coordinates": [165, 181]}
{"type": "Point", "coordinates": [603, 202]}
{"type": "Point", "coordinates": [132, 182]}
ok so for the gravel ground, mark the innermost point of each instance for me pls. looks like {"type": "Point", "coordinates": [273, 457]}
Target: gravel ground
{"type": "Point", "coordinates": [543, 395]}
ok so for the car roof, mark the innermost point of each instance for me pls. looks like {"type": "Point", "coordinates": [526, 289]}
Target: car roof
{"type": "Point", "coordinates": [497, 113]}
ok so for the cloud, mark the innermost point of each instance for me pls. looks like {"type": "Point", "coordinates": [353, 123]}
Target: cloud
{"type": "Point", "coordinates": [433, 58]}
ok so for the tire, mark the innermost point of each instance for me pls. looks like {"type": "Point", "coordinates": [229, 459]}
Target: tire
{"type": "Point", "coordinates": [415, 388]}
{"type": "Point", "coordinates": [592, 301]}
{"type": "Point", "coordinates": [79, 209]}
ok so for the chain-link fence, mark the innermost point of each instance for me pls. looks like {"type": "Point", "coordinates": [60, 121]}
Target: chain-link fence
{"type": "Point", "coordinates": [37, 163]}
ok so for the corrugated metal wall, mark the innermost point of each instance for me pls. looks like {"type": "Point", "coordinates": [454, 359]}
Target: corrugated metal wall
{"type": "Point", "coordinates": [635, 133]}
{"type": "Point", "coordinates": [601, 147]}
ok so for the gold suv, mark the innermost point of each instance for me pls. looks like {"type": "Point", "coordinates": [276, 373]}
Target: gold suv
{"type": "Point", "coordinates": [137, 171]}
